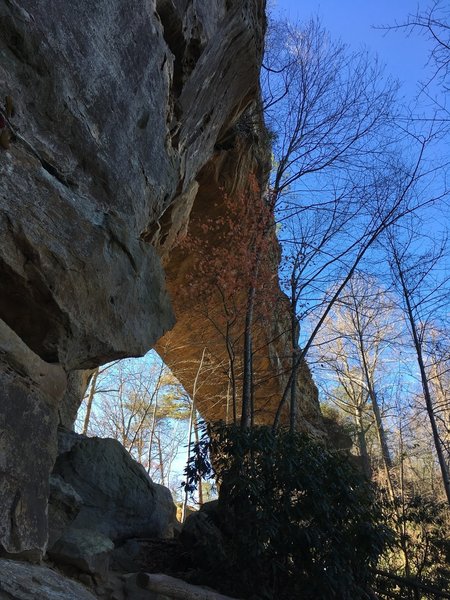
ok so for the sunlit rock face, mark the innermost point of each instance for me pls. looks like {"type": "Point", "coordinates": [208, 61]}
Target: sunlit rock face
{"type": "Point", "coordinates": [196, 347]}
{"type": "Point", "coordinates": [123, 120]}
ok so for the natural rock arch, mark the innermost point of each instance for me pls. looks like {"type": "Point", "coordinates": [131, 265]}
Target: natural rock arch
{"type": "Point", "coordinates": [124, 123]}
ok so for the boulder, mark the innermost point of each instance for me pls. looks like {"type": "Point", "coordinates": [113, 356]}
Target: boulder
{"type": "Point", "coordinates": [85, 549]}
{"type": "Point", "coordinates": [63, 506]}
{"type": "Point", "coordinates": [203, 541]}
{"type": "Point", "coordinates": [150, 555]}
{"type": "Point", "coordinates": [120, 501]}
{"type": "Point", "coordinates": [164, 587]}
{"type": "Point", "coordinates": [23, 581]}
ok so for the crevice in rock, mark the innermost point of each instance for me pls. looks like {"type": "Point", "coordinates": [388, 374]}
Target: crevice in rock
{"type": "Point", "coordinates": [186, 50]}
{"type": "Point", "coordinates": [53, 171]}
{"type": "Point", "coordinates": [29, 308]}
{"type": "Point", "coordinates": [157, 232]}
{"type": "Point", "coordinates": [13, 532]}
{"type": "Point", "coordinates": [49, 167]}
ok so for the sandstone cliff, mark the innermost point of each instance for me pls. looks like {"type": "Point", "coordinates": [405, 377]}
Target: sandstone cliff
{"type": "Point", "coordinates": [125, 123]}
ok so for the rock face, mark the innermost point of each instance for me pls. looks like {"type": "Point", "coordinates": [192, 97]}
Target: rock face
{"type": "Point", "coordinates": [29, 395]}
{"type": "Point", "coordinates": [203, 540]}
{"type": "Point", "coordinates": [84, 549]}
{"type": "Point", "coordinates": [123, 122]}
{"type": "Point", "coordinates": [21, 581]}
{"type": "Point", "coordinates": [116, 111]}
{"type": "Point", "coordinates": [100, 497]}
{"type": "Point", "coordinates": [201, 327]}
{"type": "Point", "coordinates": [119, 500]}
{"type": "Point", "coordinates": [64, 505]}
{"type": "Point", "coordinates": [114, 118]}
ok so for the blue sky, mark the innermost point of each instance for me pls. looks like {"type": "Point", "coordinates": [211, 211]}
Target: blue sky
{"type": "Point", "coordinates": [353, 21]}
{"type": "Point", "coordinates": [405, 56]}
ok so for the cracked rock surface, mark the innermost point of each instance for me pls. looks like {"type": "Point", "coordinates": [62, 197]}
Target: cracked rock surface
{"type": "Point", "coordinates": [114, 118]}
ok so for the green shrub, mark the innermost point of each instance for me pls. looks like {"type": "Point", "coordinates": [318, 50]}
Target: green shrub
{"type": "Point", "coordinates": [419, 550]}
{"type": "Point", "coordinates": [298, 520]}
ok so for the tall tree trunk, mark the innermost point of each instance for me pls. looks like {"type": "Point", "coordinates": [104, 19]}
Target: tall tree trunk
{"type": "Point", "coordinates": [294, 362]}
{"type": "Point", "coordinates": [425, 384]}
{"type": "Point", "coordinates": [402, 523]}
{"type": "Point", "coordinates": [90, 401]}
{"type": "Point", "coordinates": [441, 394]}
{"type": "Point", "coordinates": [246, 417]}
{"type": "Point", "coordinates": [191, 422]}
{"type": "Point", "coordinates": [161, 461]}
{"type": "Point", "coordinates": [362, 443]}
{"type": "Point", "coordinates": [200, 483]}
{"type": "Point", "coordinates": [152, 435]}
{"type": "Point", "coordinates": [231, 374]}
{"type": "Point", "coordinates": [381, 433]}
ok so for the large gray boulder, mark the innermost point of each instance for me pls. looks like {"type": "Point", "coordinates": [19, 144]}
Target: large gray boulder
{"type": "Point", "coordinates": [120, 500]}
{"type": "Point", "coordinates": [202, 538]}
{"type": "Point", "coordinates": [22, 581]}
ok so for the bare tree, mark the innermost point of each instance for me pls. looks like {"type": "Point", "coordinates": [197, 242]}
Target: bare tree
{"type": "Point", "coordinates": [433, 23]}
{"type": "Point", "coordinates": [141, 404]}
{"type": "Point", "coordinates": [338, 180]}
{"type": "Point", "coordinates": [325, 105]}
{"type": "Point", "coordinates": [424, 293]}
{"type": "Point", "coordinates": [439, 369]}
{"type": "Point", "coordinates": [98, 383]}
{"type": "Point", "coordinates": [355, 346]}
{"type": "Point", "coordinates": [192, 424]}
{"type": "Point", "coordinates": [386, 195]}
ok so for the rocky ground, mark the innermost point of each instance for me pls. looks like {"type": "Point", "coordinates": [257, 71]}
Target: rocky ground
{"type": "Point", "coordinates": [113, 533]}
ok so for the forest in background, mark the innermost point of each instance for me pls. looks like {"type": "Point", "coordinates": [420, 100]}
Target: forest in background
{"type": "Point", "coordinates": [359, 190]}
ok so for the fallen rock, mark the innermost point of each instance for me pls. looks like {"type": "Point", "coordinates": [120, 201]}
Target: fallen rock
{"type": "Point", "coordinates": [120, 501]}
{"type": "Point", "coordinates": [63, 506]}
{"type": "Point", "coordinates": [152, 556]}
{"type": "Point", "coordinates": [203, 540]}
{"type": "Point", "coordinates": [164, 586]}
{"type": "Point", "coordinates": [23, 581]}
{"type": "Point", "coordinates": [83, 548]}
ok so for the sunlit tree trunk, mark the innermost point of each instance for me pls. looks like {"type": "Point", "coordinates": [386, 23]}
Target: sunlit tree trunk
{"type": "Point", "coordinates": [192, 419]}
{"type": "Point", "coordinates": [247, 391]}
{"type": "Point", "coordinates": [362, 442]}
{"type": "Point", "coordinates": [200, 483]}
{"type": "Point", "coordinates": [90, 400]}
{"type": "Point", "coordinates": [152, 435]}
{"type": "Point", "coordinates": [161, 460]}
{"type": "Point", "coordinates": [424, 378]}
{"type": "Point", "coordinates": [369, 383]}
